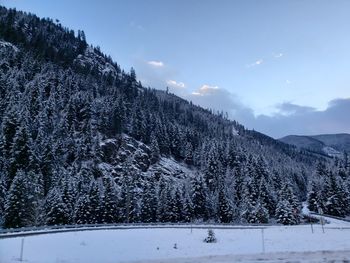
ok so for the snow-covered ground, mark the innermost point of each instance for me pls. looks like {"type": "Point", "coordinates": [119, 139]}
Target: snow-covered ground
{"type": "Point", "coordinates": [157, 244]}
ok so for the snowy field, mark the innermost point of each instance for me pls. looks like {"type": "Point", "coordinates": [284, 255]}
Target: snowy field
{"type": "Point", "coordinates": [281, 244]}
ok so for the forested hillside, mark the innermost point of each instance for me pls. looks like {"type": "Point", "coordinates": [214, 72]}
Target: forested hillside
{"type": "Point", "coordinates": [82, 141]}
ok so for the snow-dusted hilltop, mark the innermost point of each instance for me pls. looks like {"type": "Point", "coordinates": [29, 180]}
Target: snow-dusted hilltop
{"type": "Point", "coordinates": [82, 141]}
{"type": "Point", "coordinates": [330, 144]}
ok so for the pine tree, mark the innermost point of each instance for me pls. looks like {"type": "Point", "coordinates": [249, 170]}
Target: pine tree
{"type": "Point", "coordinates": [211, 237]}
{"type": "Point", "coordinates": [212, 171]}
{"type": "Point", "coordinates": [334, 193]}
{"type": "Point", "coordinates": [261, 213]}
{"type": "Point", "coordinates": [109, 210]}
{"type": "Point", "coordinates": [266, 198]}
{"type": "Point", "coordinates": [164, 212]}
{"type": "Point", "coordinates": [188, 154]}
{"type": "Point", "coordinates": [149, 201]}
{"type": "Point", "coordinates": [56, 210]}
{"type": "Point", "coordinates": [155, 152]}
{"type": "Point", "coordinates": [20, 153]}
{"type": "Point", "coordinates": [2, 195]}
{"type": "Point", "coordinates": [82, 210]}
{"type": "Point", "coordinates": [9, 128]}
{"type": "Point", "coordinates": [176, 206]}
{"type": "Point", "coordinates": [284, 213]}
{"type": "Point", "coordinates": [19, 210]}
{"type": "Point", "coordinates": [68, 195]}
{"type": "Point", "coordinates": [225, 209]}
{"type": "Point", "coordinates": [313, 198]}
{"type": "Point", "coordinates": [198, 197]}
{"type": "Point", "coordinates": [95, 204]}
{"type": "Point", "coordinates": [287, 194]}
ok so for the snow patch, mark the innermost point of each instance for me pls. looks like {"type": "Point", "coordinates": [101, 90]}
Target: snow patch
{"type": "Point", "coordinates": [331, 151]}
{"type": "Point", "coordinates": [4, 44]}
{"type": "Point", "coordinates": [91, 58]}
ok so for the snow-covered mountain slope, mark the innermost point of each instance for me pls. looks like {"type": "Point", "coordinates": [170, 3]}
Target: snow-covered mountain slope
{"type": "Point", "coordinates": [340, 142]}
{"type": "Point", "coordinates": [330, 144]}
{"type": "Point", "coordinates": [137, 155]}
{"type": "Point", "coordinates": [82, 141]}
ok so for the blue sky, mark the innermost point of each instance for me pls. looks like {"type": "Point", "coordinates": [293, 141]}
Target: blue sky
{"type": "Point", "coordinates": [270, 64]}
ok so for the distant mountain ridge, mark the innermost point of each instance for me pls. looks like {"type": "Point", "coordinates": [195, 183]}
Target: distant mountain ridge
{"type": "Point", "coordinates": [329, 144]}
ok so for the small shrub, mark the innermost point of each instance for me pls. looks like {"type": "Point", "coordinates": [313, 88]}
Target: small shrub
{"type": "Point", "coordinates": [211, 237]}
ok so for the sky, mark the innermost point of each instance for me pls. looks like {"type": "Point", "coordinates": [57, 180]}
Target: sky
{"type": "Point", "coordinates": [279, 67]}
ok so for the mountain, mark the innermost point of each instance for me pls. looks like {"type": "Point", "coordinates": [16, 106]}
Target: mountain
{"type": "Point", "coordinates": [82, 141]}
{"type": "Point", "coordinates": [329, 144]}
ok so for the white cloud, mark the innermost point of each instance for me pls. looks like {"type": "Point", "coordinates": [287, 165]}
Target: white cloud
{"type": "Point", "coordinates": [175, 84]}
{"type": "Point", "coordinates": [256, 63]}
{"type": "Point", "coordinates": [288, 82]}
{"type": "Point", "coordinates": [133, 24]}
{"type": "Point", "coordinates": [205, 90]}
{"type": "Point", "coordinates": [154, 63]}
{"type": "Point", "coordinates": [278, 55]}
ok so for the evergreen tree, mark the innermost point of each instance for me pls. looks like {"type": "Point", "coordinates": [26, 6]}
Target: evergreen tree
{"type": "Point", "coordinates": [313, 197]}
{"type": "Point", "coordinates": [82, 210]}
{"type": "Point", "coordinates": [261, 213]}
{"type": "Point", "coordinates": [212, 171]}
{"type": "Point", "coordinates": [20, 153]}
{"type": "Point", "coordinates": [56, 210]}
{"type": "Point", "coordinates": [225, 209]}
{"type": "Point", "coordinates": [334, 204]}
{"type": "Point", "coordinates": [95, 205]}
{"type": "Point", "coordinates": [149, 201]}
{"type": "Point", "coordinates": [198, 198]}
{"type": "Point", "coordinates": [287, 194]}
{"type": "Point", "coordinates": [109, 210]}
{"type": "Point", "coordinates": [19, 210]}
{"type": "Point", "coordinates": [188, 153]}
{"type": "Point", "coordinates": [284, 213]}
{"type": "Point", "coordinates": [155, 152]}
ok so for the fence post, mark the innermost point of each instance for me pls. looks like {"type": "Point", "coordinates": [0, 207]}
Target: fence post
{"type": "Point", "coordinates": [322, 223]}
{"type": "Point", "coordinates": [312, 227]}
{"type": "Point", "coordinates": [263, 240]}
{"type": "Point", "coordinates": [22, 245]}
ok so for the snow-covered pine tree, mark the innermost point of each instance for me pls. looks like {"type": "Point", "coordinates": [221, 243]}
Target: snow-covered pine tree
{"type": "Point", "coordinates": [149, 201]}
{"type": "Point", "coordinates": [287, 194]}
{"type": "Point", "coordinates": [284, 213]}
{"type": "Point", "coordinates": [313, 197]}
{"type": "Point", "coordinates": [225, 212]}
{"type": "Point", "coordinates": [82, 210]}
{"type": "Point", "coordinates": [261, 213]}
{"type": "Point", "coordinates": [95, 204]}
{"type": "Point", "coordinates": [198, 197]}
{"type": "Point", "coordinates": [109, 202]}
{"type": "Point", "coordinates": [188, 153]}
{"type": "Point", "coordinates": [19, 210]}
{"type": "Point", "coordinates": [212, 170]}
{"type": "Point", "coordinates": [334, 204]}
{"type": "Point", "coordinates": [57, 212]}
{"type": "Point", "coordinates": [155, 152]}
{"type": "Point", "coordinates": [20, 153]}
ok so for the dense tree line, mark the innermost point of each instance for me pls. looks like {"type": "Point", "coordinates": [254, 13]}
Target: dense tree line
{"type": "Point", "coordinates": [329, 189]}
{"type": "Point", "coordinates": [59, 109]}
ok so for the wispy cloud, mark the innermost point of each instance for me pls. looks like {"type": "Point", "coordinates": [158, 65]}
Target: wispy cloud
{"type": "Point", "coordinates": [256, 63]}
{"type": "Point", "coordinates": [288, 82]}
{"type": "Point", "coordinates": [175, 84]}
{"type": "Point", "coordinates": [154, 63]}
{"type": "Point", "coordinates": [133, 24]}
{"type": "Point", "coordinates": [278, 55]}
{"type": "Point", "coordinates": [205, 90]}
